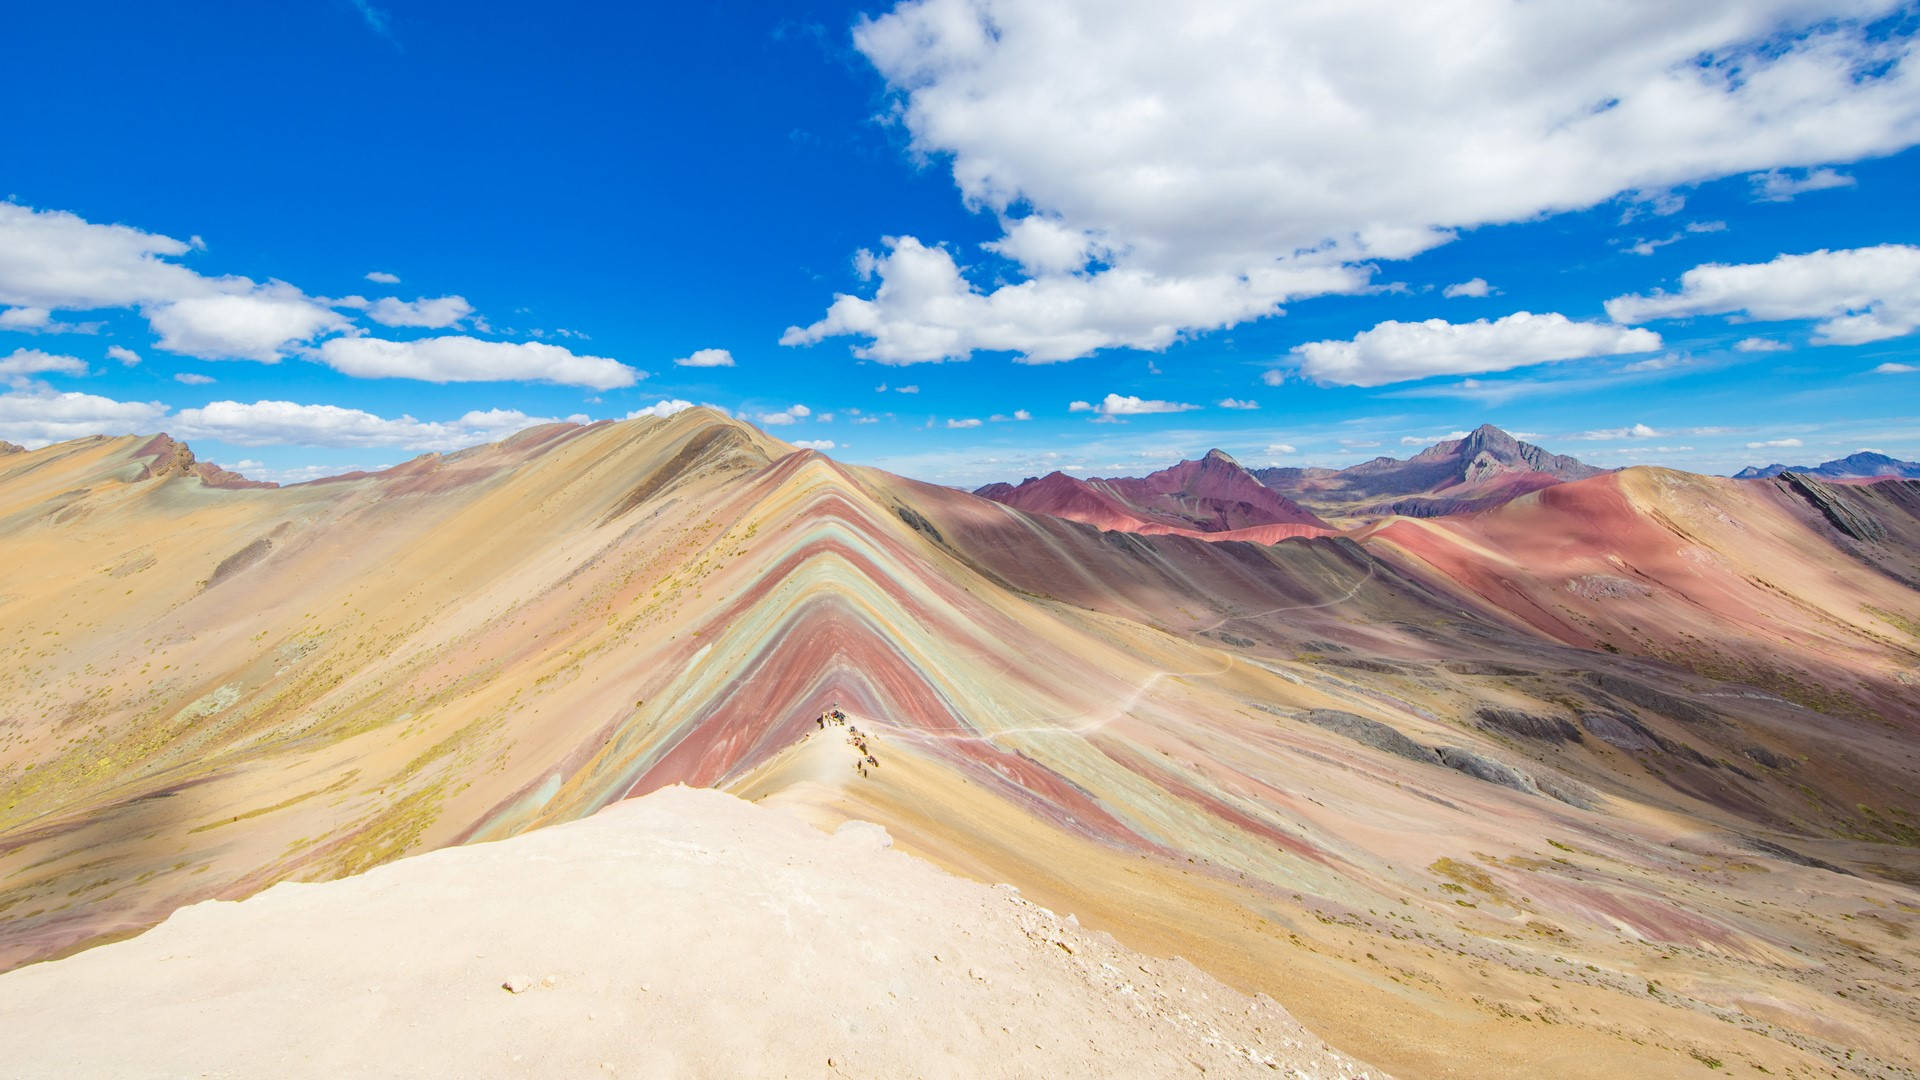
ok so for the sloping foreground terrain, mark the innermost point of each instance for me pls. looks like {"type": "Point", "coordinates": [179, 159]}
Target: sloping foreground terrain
{"type": "Point", "coordinates": [1618, 778]}
{"type": "Point", "coordinates": [686, 933]}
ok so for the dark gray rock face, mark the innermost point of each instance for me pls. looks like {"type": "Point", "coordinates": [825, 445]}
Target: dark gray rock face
{"type": "Point", "coordinates": [1620, 731]}
{"type": "Point", "coordinates": [1835, 506]}
{"type": "Point", "coordinates": [1371, 733]}
{"type": "Point", "coordinates": [1639, 693]}
{"type": "Point", "coordinates": [1481, 767]}
{"type": "Point", "coordinates": [1528, 726]}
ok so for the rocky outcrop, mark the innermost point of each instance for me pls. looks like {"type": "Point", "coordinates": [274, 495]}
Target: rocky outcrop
{"type": "Point", "coordinates": [1527, 725]}
{"type": "Point", "coordinates": [1835, 506]}
{"type": "Point", "coordinates": [1481, 767]}
{"type": "Point", "coordinates": [1371, 733]}
{"type": "Point", "coordinates": [11, 448]}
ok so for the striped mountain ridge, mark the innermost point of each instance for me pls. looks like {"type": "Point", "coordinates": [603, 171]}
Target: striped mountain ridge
{"type": "Point", "coordinates": [1245, 753]}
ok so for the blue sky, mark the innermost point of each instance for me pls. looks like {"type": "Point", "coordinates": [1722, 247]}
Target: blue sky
{"type": "Point", "coordinates": [1693, 232]}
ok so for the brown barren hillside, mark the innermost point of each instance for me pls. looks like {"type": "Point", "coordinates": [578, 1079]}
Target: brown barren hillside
{"type": "Point", "coordinates": [1619, 778]}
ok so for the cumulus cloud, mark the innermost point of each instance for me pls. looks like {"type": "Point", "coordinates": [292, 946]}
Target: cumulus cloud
{"type": "Point", "coordinates": [52, 260]}
{"type": "Point", "coordinates": [272, 423]}
{"type": "Point", "coordinates": [1282, 448]}
{"type": "Point", "coordinates": [126, 356]}
{"type": "Point", "coordinates": [458, 358]}
{"type": "Point", "coordinates": [1397, 351]}
{"type": "Point", "coordinates": [188, 378]}
{"type": "Point", "coordinates": [1760, 344]}
{"type": "Point", "coordinates": [431, 313]}
{"type": "Point", "coordinates": [1773, 443]}
{"type": "Point", "coordinates": [1781, 185]}
{"type": "Point", "coordinates": [926, 311]}
{"type": "Point", "coordinates": [1117, 405]}
{"type": "Point", "coordinates": [1017, 415]}
{"type": "Point", "coordinates": [1858, 295]}
{"type": "Point", "coordinates": [783, 417]}
{"type": "Point", "coordinates": [814, 444]}
{"type": "Point", "coordinates": [381, 277]}
{"type": "Point", "coordinates": [1475, 287]}
{"type": "Point", "coordinates": [970, 422]}
{"type": "Point", "coordinates": [36, 417]}
{"type": "Point", "coordinates": [665, 407]}
{"type": "Point", "coordinates": [257, 325]}
{"type": "Point", "coordinates": [706, 358]}
{"type": "Point", "coordinates": [1156, 175]}
{"type": "Point", "coordinates": [25, 318]}
{"type": "Point", "coordinates": [1237, 403]}
{"type": "Point", "coordinates": [22, 363]}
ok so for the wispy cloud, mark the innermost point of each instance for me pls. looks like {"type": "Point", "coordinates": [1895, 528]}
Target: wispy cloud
{"type": "Point", "coordinates": [380, 23]}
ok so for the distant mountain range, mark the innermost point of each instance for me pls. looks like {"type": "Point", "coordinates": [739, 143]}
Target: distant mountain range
{"type": "Point", "coordinates": [1214, 497]}
{"type": "Point", "coordinates": [1486, 468]}
{"type": "Point", "coordinates": [1211, 496]}
{"type": "Point", "coordinates": [1860, 466]}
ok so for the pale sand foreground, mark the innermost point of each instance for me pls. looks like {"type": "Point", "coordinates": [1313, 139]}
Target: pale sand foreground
{"type": "Point", "coordinates": [688, 933]}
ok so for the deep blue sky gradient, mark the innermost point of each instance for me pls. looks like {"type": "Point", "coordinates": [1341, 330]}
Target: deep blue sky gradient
{"type": "Point", "coordinates": [667, 178]}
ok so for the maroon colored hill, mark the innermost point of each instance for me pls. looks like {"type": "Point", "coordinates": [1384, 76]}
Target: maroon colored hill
{"type": "Point", "coordinates": [1210, 495]}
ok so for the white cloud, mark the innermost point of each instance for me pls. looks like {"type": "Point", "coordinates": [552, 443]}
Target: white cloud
{"type": "Point", "coordinates": [662, 408]}
{"type": "Point", "coordinates": [1043, 246]}
{"type": "Point", "coordinates": [1194, 159]}
{"type": "Point", "coordinates": [814, 444]}
{"type": "Point", "coordinates": [1474, 287]}
{"type": "Point", "coordinates": [906, 389]}
{"type": "Point", "coordinates": [783, 417]}
{"type": "Point", "coordinates": [1117, 405]}
{"type": "Point", "coordinates": [926, 311]}
{"type": "Point", "coordinates": [1637, 431]}
{"type": "Point", "coordinates": [126, 356]}
{"type": "Point", "coordinates": [1429, 440]}
{"type": "Point", "coordinates": [24, 318]}
{"type": "Point", "coordinates": [1282, 448]}
{"type": "Point", "coordinates": [1657, 363]}
{"type": "Point", "coordinates": [1760, 344]}
{"type": "Point", "coordinates": [24, 362]}
{"type": "Point", "coordinates": [1397, 351]}
{"type": "Point", "coordinates": [706, 358]}
{"type": "Point", "coordinates": [273, 423]}
{"type": "Point", "coordinates": [432, 313]}
{"type": "Point", "coordinates": [381, 277]}
{"type": "Point", "coordinates": [1237, 403]}
{"type": "Point", "coordinates": [458, 358]}
{"type": "Point", "coordinates": [967, 423]}
{"type": "Point", "coordinates": [1891, 368]}
{"type": "Point", "coordinates": [257, 325]}
{"type": "Point", "coordinates": [34, 418]}
{"type": "Point", "coordinates": [1859, 294]}
{"type": "Point", "coordinates": [189, 378]}
{"type": "Point", "coordinates": [58, 261]}
{"type": "Point", "coordinates": [1018, 415]}
{"type": "Point", "coordinates": [1770, 443]}
{"type": "Point", "coordinates": [1780, 185]}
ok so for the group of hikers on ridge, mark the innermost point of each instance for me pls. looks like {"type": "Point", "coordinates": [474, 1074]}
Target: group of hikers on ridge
{"type": "Point", "coordinates": [863, 756]}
